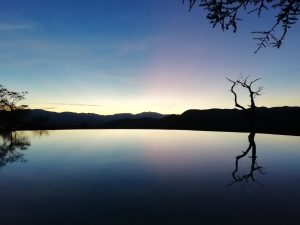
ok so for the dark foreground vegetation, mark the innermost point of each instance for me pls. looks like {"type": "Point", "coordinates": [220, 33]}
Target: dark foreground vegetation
{"type": "Point", "coordinates": [277, 120]}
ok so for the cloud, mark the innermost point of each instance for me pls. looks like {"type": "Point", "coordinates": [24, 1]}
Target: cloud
{"type": "Point", "coordinates": [15, 26]}
{"type": "Point", "coordinates": [68, 104]}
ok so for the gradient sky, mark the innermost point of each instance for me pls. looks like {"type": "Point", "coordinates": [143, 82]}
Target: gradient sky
{"type": "Point", "coordinates": [108, 57]}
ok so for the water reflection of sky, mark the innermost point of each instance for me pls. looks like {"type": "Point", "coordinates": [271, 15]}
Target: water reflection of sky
{"type": "Point", "coordinates": [150, 177]}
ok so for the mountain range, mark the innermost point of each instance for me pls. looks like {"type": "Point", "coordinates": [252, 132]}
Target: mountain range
{"type": "Point", "coordinates": [43, 118]}
{"type": "Point", "coordinates": [276, 120]}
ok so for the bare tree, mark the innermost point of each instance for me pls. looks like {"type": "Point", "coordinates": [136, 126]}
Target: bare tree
{"type": "Point", "coordinates": [251, 114]}
{"type": "Point", "coordinates": [243, 82]}
{"type": "Point", "coordinates": [227, 14]}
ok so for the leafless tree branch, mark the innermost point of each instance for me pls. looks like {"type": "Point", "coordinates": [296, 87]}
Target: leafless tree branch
{"type": "Point", "coordinates": [227, 14]}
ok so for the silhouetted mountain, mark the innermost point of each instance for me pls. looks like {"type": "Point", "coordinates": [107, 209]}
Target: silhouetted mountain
{"type": "Point", "coordinates": [54, 120]}
{"type": "Point", "coordinates": [277, 120]}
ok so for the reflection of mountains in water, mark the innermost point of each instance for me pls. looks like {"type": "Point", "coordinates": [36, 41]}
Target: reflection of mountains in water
{"type": "Point", "coordinates": [277, 120]}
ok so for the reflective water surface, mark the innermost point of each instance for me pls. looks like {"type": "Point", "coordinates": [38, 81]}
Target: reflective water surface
{"type": "Point", "coordinates": [149, 177]}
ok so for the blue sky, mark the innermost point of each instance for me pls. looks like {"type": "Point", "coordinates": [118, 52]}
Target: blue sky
{"type": "Point", "coordinates": [132, 56]}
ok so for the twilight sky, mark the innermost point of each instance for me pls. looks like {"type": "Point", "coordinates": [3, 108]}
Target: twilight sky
{"type": "Point", "coordinates": [108, 57]}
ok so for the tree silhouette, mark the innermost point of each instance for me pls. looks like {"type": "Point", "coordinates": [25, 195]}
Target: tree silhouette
{"type": "Point", "coordinates": [10, 108]}
{"type": "Point", "coordinates": [9, 99]}
{"type": "Point", "coordinates": [250, 112]}
{"type": "Point", "coordinates": [226, 13]}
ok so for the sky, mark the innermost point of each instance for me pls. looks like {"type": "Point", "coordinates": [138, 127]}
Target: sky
{"type": "Point", "coordinates": [107, 57]}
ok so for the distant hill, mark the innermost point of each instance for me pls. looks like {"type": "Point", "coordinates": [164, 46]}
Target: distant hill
{"type": "Point", "coordinates": [54, 120]}
{"type": "Point", "coordinates": [277, 120]}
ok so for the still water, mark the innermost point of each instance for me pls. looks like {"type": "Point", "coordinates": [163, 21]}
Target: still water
{"type": "Point", "coordinates": [148, 177]}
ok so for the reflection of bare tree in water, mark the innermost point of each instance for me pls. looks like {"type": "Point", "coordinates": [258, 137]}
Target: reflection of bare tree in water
{"type": "Point", "coordinates": [11, 145]}
{"type": "Point", "coordinates": [251, 115]}
{"type": "Point", "coordinates": [254, 165]}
